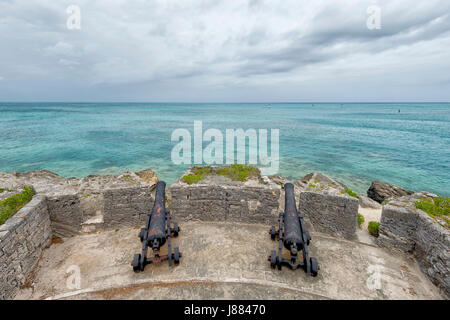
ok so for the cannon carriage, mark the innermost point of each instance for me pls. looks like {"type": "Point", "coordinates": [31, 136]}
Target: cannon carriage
{"type": "Point", "coordinates": [293, 236]}
{"type": "Point", "coordinates": [157, 231]}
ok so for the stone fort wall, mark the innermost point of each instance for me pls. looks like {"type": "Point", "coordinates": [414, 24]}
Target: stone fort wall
{"type": "Point", "coordinates": [22, 239]}
{"type": "Point", "coordinates": [411, 230]}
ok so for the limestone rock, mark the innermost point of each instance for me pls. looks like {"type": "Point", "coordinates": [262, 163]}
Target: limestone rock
{"type": "Point", "coordinates": [366, 202]}
{"type": "Point", "coordinates": [281, 181]}
{"type": "Point", "coordinates": [8, 193]}
{"type": "Point", "coordinates": [148, 176]}
{"type": "Point", "coordinates": [381, 191]}
{"type": "Point", "coordinates": [318, 182]}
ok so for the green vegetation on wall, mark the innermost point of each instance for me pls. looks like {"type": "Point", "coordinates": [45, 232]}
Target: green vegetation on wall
{"type": "Point", "coordinates": [238, 172]}
{"type": "Point", "coordinates": [235, 172]}
{"type": "Point", "coordinates": [350, 193]}
{"type": "Point", "coordinates": [436, 208]}
{"type": "Point", "coordinates": [197, 175]}
{"type": "Point", "coordinates": [10, 206]}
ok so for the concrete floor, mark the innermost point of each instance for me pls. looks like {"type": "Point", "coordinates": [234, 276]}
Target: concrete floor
{"type": "Point", "coordinates": [223, 261]}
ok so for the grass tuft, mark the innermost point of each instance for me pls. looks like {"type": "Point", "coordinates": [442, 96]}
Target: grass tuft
{"type": "Point", "coordinates": [374, 228]}
{"type": "Point", "coordinates": [10, 206]}
{"type": "Point", "coordinates": [360, 219]}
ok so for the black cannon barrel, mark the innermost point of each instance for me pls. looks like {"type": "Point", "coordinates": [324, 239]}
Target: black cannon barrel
{"type": "Point", "coordinates": [292, 231]}
{"type": "Point", "coordinates": [157, 228]}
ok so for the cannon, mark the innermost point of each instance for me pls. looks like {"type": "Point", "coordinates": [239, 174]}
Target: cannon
{"type": "Point", "coordinates": [156, 232]}
{"type": "Point", "coordinates": [293, 235]}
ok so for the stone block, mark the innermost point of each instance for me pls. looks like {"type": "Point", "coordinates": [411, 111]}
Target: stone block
{"type": "Point", "coordinates": [330, 213]}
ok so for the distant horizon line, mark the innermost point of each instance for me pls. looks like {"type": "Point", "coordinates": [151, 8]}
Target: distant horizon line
{"type": "Point", "coordinates": [228, 102]}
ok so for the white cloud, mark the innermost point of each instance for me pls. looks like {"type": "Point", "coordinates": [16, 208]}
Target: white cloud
{"type": "Point", "coordinates": [223, 49]}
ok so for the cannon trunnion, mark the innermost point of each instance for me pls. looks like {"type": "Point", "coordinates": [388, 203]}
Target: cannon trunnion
{"type": "Point", "coordinates": [156, 233]}
{"type": "Point", "coordinates": [293, 236]}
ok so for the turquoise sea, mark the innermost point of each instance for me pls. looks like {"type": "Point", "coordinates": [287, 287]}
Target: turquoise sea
{"type": "Point", "coordinates": [406, 144]}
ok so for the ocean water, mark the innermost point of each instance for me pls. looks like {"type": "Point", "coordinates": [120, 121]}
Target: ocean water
{"type": "Point", "coordinates": [405, 144]}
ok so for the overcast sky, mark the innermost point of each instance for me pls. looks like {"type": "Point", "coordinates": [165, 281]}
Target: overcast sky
{"type": "Point", "coordinates": [224, 50]}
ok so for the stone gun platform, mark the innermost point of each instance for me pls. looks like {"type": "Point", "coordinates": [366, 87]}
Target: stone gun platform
{"type": "Point", "coordinates": [223, 261]}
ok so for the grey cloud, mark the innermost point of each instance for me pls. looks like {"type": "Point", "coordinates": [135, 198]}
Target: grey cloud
{"type": "Point", "coordinates": [316, 47]}
{"type": "Point", "coordinates": [219, 48]}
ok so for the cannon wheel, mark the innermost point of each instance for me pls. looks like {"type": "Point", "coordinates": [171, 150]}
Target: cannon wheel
{"type": "Point", "coordinates": [136, 261]}
{"type": "Point", "coordinates": [142, 234]}
{"type": "Point", "coordinates": [273, 259]}
{"type": "Point", "coordinates": [314, 267]}
{"type": "Point", "coordinates": [176, 255]}
{"type": "Point", "coordinates": [273, 233]}
{"type": "Point", "coordinates": [175, 229]}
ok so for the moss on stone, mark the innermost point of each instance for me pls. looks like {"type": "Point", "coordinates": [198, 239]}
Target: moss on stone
{"type": "Point", "coordinates": [350, 193]}
{"type": "Point", "coordinates": [197, 175]}
{"type": "Point", "coordinates": [238, 172]}
{"type": "Point", "coordinates": [193, 178]}
{"type": "Point", "coordinates": [10, 206]}
{"type": "Point", "coordinates": [235, 172]}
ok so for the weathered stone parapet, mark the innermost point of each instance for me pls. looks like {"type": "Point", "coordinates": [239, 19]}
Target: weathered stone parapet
{"type": "Point", "coordinates": [411, 230]}
{"type": "Point", "coordinates": [90, 203]}
{"type": "Point", "coordinates": [65, 214]}
{"type": "Point", "coordinates": [22, 240]}
{"type": "Point", "coordinates": [126, 207]}
{"type": "Point", "coordinates": [397, 228]}
{"type": "Point", "coordinates": [432, 250]}
{"type": "Point", "coordinates": [330, 213]}
{"type": "Point", "coordinates": [217, 198]}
